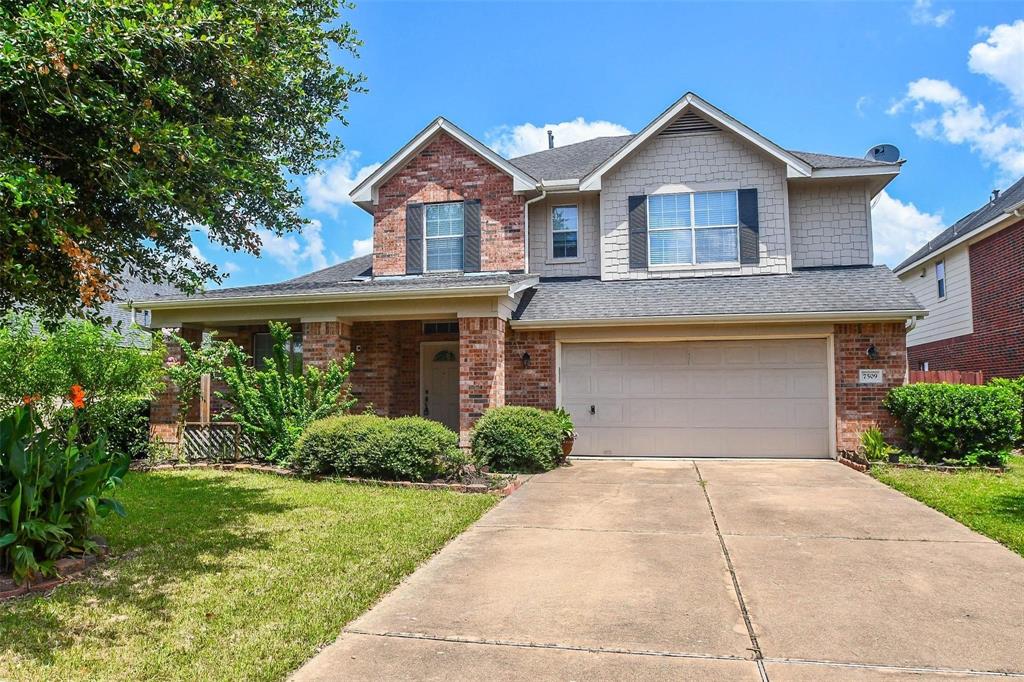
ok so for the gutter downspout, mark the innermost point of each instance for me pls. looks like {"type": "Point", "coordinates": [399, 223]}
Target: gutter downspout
{"type": "Point", "coordinates": [526, 227]}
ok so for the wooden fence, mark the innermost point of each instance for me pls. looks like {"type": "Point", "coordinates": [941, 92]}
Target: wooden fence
{"type": "Point", "coordinates": [951, 376]}
{"type": "Point", "coordinates": [214, 442]}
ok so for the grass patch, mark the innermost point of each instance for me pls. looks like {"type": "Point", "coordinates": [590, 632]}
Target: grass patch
{"type": "Point", "coordinates": [228, 576]}
{"type": "Point", "coordinates": [991, 504]}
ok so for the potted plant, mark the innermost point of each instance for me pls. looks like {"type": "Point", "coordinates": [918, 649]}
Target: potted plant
{"type": "Point", "coordinates": [568, 431]}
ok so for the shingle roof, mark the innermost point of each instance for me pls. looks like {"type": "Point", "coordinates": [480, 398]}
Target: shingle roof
{"type": "Point", "coordinates": [132, 290]}
{"type": "Point", "coordinates": [971, 222]}
{"type": "Point", "coordinates": [579, 159]}
{"type": "Point", "coordinates": [812, 290]}
{"type": "Point", "coordinates": [342, 272]}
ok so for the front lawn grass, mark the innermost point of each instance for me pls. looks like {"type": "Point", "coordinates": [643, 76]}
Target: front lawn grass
{"type": "Point", "coordinates": [992, 504]}
{"type": "Point", "coordinates": [227, 576]}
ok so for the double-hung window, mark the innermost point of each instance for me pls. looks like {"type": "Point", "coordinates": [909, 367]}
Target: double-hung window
{"type": "Point", "coordinates": [693, 228]}
{"type": "Point", "coordinates": [565, 232]}
{"type": "Point", "coordinates": [940, 278]}
{"type": "Point", "coordinates": [263, 351]}
{"type": "Point", "coordinates": [444, 223]}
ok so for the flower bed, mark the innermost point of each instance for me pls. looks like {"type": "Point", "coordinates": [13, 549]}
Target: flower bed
{"type": "Point", "coordinates": [66, 569]}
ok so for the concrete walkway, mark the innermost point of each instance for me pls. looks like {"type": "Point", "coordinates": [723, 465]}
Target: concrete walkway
{"type": "Point", "coordinates": [710, 570]}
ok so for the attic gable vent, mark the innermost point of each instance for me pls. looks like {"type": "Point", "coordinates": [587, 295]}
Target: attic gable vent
{"type": "Point", "coordinates": [688, 124]}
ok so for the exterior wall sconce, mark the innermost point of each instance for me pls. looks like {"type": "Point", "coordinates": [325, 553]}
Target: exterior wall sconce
{"type": "Point", "coordinates": [526, 360]}
{"type": "Point", "coordinates": [872, 352]}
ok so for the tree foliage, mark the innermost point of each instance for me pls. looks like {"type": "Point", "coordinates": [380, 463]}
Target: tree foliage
{"type": "Point", "coordinates": [127, 124]}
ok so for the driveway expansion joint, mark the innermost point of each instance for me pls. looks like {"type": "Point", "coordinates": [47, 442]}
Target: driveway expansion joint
{"type": "Point", "coordinates": [897, 668]}
{"type": "Point", "coordinates": [981, 541]}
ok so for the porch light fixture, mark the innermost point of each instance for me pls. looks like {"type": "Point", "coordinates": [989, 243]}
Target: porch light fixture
{"type": "Point", "coordinates": [526, 360]}
{"type": "Point", "coordinates": [872, 352]}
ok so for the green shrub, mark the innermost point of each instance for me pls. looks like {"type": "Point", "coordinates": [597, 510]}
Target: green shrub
{"type": "Point", "coordinates": [874, 447]}
{"type": "Point", "coordinates": [368, 446]}
{"type": "Point", "coordinates": [956, 422]}
{"type": "Point", "coordinates": [52, 489]}
{"type": "Point", "coordinates": [513, 439]}
{"type": "Point", "coordinates": [1017, 387]}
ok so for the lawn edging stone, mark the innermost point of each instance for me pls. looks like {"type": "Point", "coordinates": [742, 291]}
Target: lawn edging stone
{"type": "Point", "coordinates": [67, 568]}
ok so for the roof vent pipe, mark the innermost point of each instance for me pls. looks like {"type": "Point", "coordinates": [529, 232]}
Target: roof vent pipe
{"type": "Point", "coordinates": [551, 140]}
{"type": "Point", "coordinates": [995, 192]}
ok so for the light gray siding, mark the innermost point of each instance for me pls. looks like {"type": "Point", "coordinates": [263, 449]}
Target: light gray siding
{"type": "Point", "coordinates": [589, 262]}
{"type": "Point", "coordinates": [716, 160]}
{"type": "Point", "coordinates": [951, 316]}
{"type": "Point", "coordinates": [829, 223]}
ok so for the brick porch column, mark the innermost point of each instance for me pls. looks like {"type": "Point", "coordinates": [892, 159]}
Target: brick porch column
{"type": "Point", "coordinates": [325, 341]}
{"type": "Point", "coordinates": [859, 406]}
{"type": "Point", "coordinates": [481, 369]}
{"type": "Point", "coordinates": [163, 410]}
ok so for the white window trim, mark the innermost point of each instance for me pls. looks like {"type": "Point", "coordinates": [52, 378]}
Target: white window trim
{"type": "Point", "coordinates": [426, 237]}
{"type": "Point", "coordinates": [943, 279]}
{"type": "Point", "coordinates": [578, 258]}
{"type": "Point", "coordinates": [693, 264]}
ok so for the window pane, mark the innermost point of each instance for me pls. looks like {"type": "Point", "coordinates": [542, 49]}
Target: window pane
{"type": "Point", "coordinates": [715, 208]}
{"type": "Point", "coordinates": [564, 244]}
{"type": "Point", "coordinates": [669, 247]}
{"type": "Point", "coordinates": [717, 244]}
{"type": "Point", "coordinates": [444, 253]}
{"type": "Point", "coordinates": [564, 219]}
{"type": "Point", "coordinates": [263, 350]}
{"type": "Point", "coordinates": [668, 210]}
{"type": "Point", "coordinates": [444, 220]}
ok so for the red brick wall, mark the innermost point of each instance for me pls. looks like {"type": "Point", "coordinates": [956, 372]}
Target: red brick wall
{"type": "Point", "coordinates": [325, 341]}
{"type": "Point", "coordinates": [447, 170]}
{"type": "Point", "coordinates": [481, 368]}
{"type": "Point", "coordinates": [163, 410]}
{"type": "Point", "coordinates": [859, 407]}
{"type": "Point", "coordinates": [996, 347]}
{"type": "Point", "coordinates": [533, 386]}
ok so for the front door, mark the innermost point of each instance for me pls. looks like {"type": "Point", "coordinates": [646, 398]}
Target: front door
{"type": "Point", "coordinates": [439, 394]}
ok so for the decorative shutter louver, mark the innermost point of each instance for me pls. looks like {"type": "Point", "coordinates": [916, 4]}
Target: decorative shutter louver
{"type": "Point", "coordinates": [414, 239]}
{"type": "Point", "coordinates": [638, 232]}
{"type": "Point", "coordinates": [750, 252]}
{"type": "Point", "coordinates": [471, 235]}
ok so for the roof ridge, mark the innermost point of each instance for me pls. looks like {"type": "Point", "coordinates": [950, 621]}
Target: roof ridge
{"type": "Point", "coordinates": [572, 144]}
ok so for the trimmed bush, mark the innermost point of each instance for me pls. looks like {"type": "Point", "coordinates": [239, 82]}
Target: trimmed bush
{"type": "Point", "coordinates": [513, 439]}
{"type": "Point", "coordinates": [368, 446]}
{"type": "Point", "coordinates": [955, 422]}
{"type": "Point", "coordinates": [1017, 386]}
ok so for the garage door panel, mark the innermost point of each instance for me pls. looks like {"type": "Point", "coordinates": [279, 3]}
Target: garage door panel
{"type": "Point", "coordinates": [732, 399]}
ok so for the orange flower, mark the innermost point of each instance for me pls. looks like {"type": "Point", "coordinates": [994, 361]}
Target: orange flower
{"type": "Point", "coordinates": [77, 397]}
{"type": "Point", "coordinates": [27, 399]}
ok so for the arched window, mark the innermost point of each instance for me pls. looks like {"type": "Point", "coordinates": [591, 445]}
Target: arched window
{"type": "Point", "coordinates": [444, 356]}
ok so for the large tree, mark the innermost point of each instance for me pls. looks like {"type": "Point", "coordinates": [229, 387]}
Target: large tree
{"type": "Point", "coordinates": [127, 124]}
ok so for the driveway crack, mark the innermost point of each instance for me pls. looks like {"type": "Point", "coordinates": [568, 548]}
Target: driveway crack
{"type": "Point", "coordinates": [754, 646]}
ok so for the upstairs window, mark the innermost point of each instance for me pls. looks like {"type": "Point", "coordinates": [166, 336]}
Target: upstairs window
{"type": "Point", "coordinates": [940, 278]}
{"type": "Point", "coordinates": [693, 228]}
{"type": "Point", "coordinates": [263, 351]}
{"type": "Point", "coordinates": [565, 232]}
{"type": "Point", "coordinates": [444, 230]}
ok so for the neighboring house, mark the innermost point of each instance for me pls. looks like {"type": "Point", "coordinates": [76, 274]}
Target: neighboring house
{"type": "Point", "coordinates": [132, 321]}
{"type": "Point", "coordinates": [971, 279]}
{"type": "Point", "coordinates": [694, 289]}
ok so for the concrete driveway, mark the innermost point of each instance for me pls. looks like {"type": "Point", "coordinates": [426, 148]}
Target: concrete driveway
{"type": "Point", "coordinates": [710, 570]}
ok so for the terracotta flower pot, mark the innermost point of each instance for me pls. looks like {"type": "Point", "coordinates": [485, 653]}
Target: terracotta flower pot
{"type": "Point", "coordinates": [567, 447]}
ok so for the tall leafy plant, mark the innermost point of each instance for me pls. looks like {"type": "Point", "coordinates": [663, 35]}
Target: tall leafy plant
{"type": "Point", "coordinates": [274, 404]}
{"type": "Point", "coordinates": [52, 490]}
{"type": "Point", "coordinates": [187, 375]}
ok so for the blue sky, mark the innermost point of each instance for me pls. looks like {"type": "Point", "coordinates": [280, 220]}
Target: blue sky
{"type": "Point", "coordinates": [943, 81]}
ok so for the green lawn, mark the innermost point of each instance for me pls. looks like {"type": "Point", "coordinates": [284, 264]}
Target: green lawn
{"type": "Point", "coordinates": [227, 576]}
{"type": "Point", "coordinates": [992, 504]}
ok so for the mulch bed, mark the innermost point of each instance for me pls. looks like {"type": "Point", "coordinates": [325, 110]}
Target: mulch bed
{"type": "Point", "coordinates": [67, 568]}
{"type": "Point", "coordinates": [511, 483]}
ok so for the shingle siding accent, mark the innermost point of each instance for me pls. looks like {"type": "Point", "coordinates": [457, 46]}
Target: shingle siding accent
{"type": "Point", "coordinates": [704, 158]}
{"type": "Point", "coordinates": [541, 262]}
{"type": "Point", "coordinates": [829, 224]}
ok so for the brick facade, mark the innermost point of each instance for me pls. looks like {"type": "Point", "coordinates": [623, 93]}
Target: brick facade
{"type": "Point", "coordinates": [996, 347]}
{"type": "Point", "coordinates": [163, 410]}
{"type": "Point", "coordinates": [325, 341]}
{"type": "Point", "coordinates": [481, 368]}
{"type": "Point", "coordinates": [447, 170]}
{"type": "Point", "coordinates": [859, 407]}
{"type": "Point", "coordinates": [533, 386]}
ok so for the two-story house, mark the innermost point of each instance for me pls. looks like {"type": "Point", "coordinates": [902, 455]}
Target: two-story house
{"type": "Point", "coordinates": [971, 278]}
{"type": "Point", "coordinates": [694, 290]}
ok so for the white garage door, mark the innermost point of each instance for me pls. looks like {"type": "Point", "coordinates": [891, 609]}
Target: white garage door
{"type": "Point", "coordinates": [766, 398]}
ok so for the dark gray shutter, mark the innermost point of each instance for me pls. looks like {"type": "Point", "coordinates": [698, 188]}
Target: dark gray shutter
{"type": "Point", "coordinates": [750, 253]}
{"type": "Point", "coordinates": [638, 233]}
{"type": "Point", "coordinates": [471, 235]}
{"type": "Point", "coordinates": [413, 239]}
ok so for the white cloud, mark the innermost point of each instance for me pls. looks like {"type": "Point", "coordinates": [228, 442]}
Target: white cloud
{"type": "Point", "coordinates": [231, 267]}
{"type": "Point", "coordinates": [305, 249]}
{"type": "Point", "coordinates": [1001, 58]}
{"type": "Point", "coordinates": [899, 229]}
{"type": "Point", "coordinates": [197, 255]}
{"type": "Point", "coordinates": [329, 190]}
{"type": "Point", "coordinates": [862, 103]}
{"type": "Point", "coordinates": [362, 247]}
{"type": "Point", "coordinates": [921, 13]}
{"type": "Point", "coordinates": [526, 138]}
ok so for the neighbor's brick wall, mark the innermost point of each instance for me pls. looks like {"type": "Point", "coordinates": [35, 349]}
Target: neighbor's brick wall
{"type": "Point", "coordinates": [996, 347]}
{"type": "Point", "coordinates": [446, 170]}
{"type": "Point", "coordinates": [481, 368]}
{"type": "Point", "coordinates": [859, 407]}
{"type": "Point", "coordinates": [829, 224]}
{"type": "Point", "coordinates": [535, 386]}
